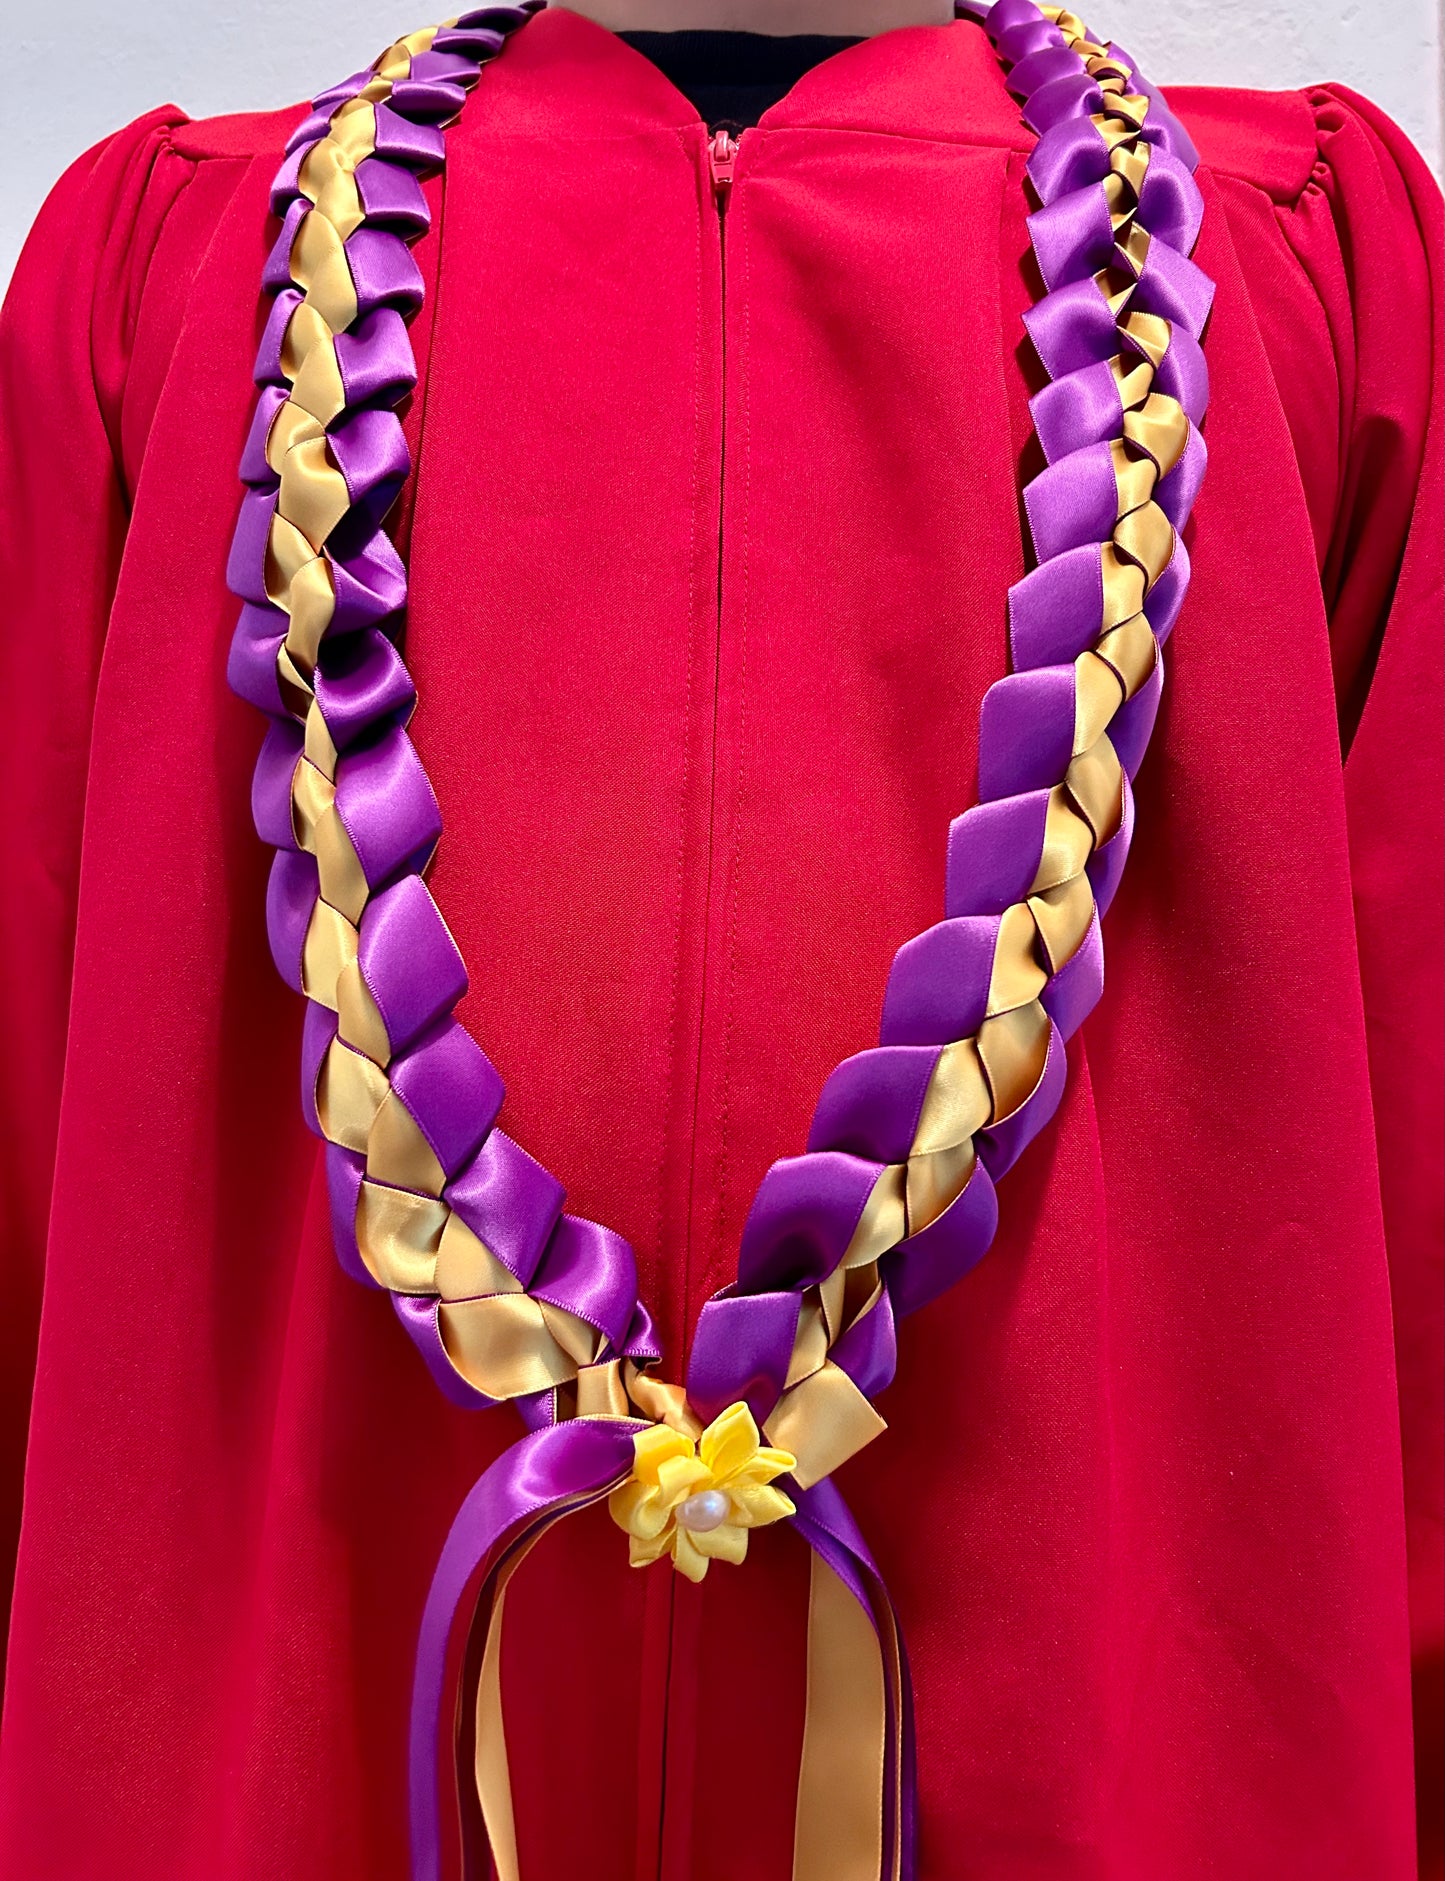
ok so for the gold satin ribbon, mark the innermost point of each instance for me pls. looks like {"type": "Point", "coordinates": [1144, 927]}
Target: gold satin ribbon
{"type": "Point", "coordinates": [838, 1833]}
{"type": "Point", "coordinates": [981, 1082]}
{"type": "Point", "coordinates": [838, 1830]}
{"type": "Point", "coordinates": [493, 1773]}
{"type": "Point", "coordinates": [491, 1768]}
{"type": "Point", "coordinates": [497, 1337]}
{"type": "Point", "coordinates": [498, 1341]}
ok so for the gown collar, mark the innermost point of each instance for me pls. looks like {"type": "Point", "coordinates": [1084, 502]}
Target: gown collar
{"type": "Point", "coordinates": [564, 75]}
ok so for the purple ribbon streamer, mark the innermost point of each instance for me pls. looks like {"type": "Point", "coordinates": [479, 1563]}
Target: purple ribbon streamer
{"type": "Point", "coordinates": [540, 1478]}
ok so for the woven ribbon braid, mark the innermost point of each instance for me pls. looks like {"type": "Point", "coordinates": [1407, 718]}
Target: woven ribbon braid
{"type": "Point", "coordinates": [505, 1294]}
{"type": "Point", "coordinates": [894, 1200]}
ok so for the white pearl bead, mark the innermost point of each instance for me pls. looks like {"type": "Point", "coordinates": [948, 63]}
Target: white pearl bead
{"type": "Point", "coordinates": [708, 1509]}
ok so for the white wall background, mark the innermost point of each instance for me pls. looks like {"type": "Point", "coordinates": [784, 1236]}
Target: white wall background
{"type": "Point", "coordinates": [77, 71]}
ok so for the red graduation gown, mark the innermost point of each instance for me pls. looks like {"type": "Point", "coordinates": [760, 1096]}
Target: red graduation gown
{"type": "Point", "coordinates": [1160, 1500]}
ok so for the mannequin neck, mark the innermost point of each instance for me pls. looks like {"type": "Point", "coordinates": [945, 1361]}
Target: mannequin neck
{"type": "Point", "coordinates": [850, 18]}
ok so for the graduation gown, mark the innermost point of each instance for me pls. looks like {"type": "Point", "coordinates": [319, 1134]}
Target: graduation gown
{"type": "Point", "coordinates": [709, 542]}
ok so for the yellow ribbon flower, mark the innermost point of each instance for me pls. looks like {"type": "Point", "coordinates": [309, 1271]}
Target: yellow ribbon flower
{"type": "Point", "coordinates": [697, 1501]}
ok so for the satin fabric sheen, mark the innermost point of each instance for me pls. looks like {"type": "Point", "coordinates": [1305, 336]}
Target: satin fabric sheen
{"type": "Point", "coordinates": [1144, 1527]}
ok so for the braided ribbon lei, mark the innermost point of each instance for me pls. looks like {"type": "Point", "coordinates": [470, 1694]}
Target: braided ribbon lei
{"type": "Point", "coordinates": [506, 1295]}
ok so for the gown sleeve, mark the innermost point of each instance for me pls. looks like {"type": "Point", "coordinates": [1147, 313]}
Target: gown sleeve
{"type": "Point", "coordinates": [1367, 231]}
{"type": "Point", "coordinates": [65, 335]}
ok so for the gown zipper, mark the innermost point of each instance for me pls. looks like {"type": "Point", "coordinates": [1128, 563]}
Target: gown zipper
{"type": "Point", "coordinates": [722, 154]}
{"type": "Point", "coordinates": [674, 1820]}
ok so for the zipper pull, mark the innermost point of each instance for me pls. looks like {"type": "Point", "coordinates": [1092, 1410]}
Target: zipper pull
{"type": "Point", "coordinates": [722, 154]}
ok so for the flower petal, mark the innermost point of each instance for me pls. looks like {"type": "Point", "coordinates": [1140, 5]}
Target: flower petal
{"type": "Point", "coordinates": [642, 1553]}
{"type": "Point", "coordinates": [730, 1442]}
{"type": "Point", "coordinates": [655, 1446]}
{"type": "Point", "coordinates": [678, 1476]}
{"type": "Point", "coordinates": [650, 1517]}
{"type": "Point", "coordinates": [770, 1463]}
{"type": "Point", "coordinates": [725, 1543]}
{"type": "Point", "coordinates": [755, 1504]}
{"type": "Point", "coordinates": [625, 1500]}
{"type": "Point", "coordinates": [687, 1558]}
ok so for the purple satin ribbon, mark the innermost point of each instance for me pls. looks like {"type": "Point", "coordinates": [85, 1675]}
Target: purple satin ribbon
{"type": "Point", "coordinates": [542, 1477]}
{"type": "Point", "coordinates": [807, 1207]}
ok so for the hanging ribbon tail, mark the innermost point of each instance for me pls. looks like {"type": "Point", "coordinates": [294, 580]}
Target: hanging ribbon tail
{"type": "Point", "coordinates": [856, 1789]}
{"type": "Point", "coordinates": [857, 1784]}
{"type": "Point", "coordinates": [543, 1478]}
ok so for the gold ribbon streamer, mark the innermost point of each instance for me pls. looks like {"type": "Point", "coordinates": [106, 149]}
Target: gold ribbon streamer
{"type": "Point", "coordinates": [493, 1773]}
{"type": "Point", "coordinates": [838, 1834]}
{"type": "Point", "coordinates": [838, 1831]}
